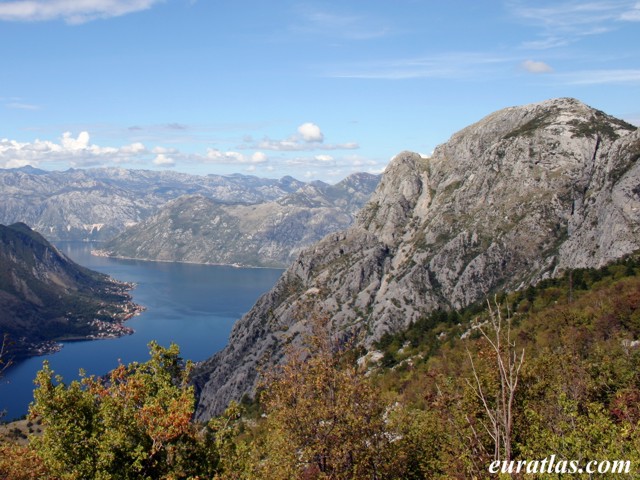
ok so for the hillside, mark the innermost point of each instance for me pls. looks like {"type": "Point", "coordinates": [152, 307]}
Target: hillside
{"type": "Point", "coordinates": [429, 403]}
{"type": "Point", "coordinates": [520, 196]}
{"type": "Point", "coordinates": [194, 228]}
{"type": "Point", "coordinates": [99, 203]}
{"type": "Point", "coordinates": [45, 297]}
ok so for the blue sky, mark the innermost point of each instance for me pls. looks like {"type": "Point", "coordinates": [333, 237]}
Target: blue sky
{"type": "Point", "coordinates": [312, 89]}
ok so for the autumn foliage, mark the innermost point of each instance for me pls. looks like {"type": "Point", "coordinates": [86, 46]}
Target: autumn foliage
{"type": "Point", "coordinates": [134, 424]}
{"type": "Point", "coordinates": [550, 370]}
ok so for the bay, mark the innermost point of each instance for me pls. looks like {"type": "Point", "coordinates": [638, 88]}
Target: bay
{"type": "Point", "coordinates": [192, 305]}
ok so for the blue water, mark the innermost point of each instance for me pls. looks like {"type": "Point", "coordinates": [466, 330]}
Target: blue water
{"type": "Point", "coordinates": [194, 306]}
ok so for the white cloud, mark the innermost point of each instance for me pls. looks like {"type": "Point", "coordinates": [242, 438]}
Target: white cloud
{"type": "Point", "coordinates": [449, 65]}
{"type": "Point", "coordinates": [601, 77]}
{"type": "Point", "coordinates": [75, 144]}
{"type": "Point", "coordinates": [258, 157]}
{"type": "Point", "coordinates": [232, 158]}
{"type": "Point", "coordinates": [74, 151]}
{"type": "Point", "coordinates": [349, 162]}
{"type": "Point", "coordinates": [71, 11]}
{"type": "Point", "coordinates": [308, 136]}
{"type": "Point", "coordinates": [163, 161]}
{"type": "Point", "coordinates": [532, 66]}
{"type": "Point", "coordinates": [357, 161]}
{"type": "Point", "coordinates": [22, 106]}
{"type": "Point", "coordinates": [16, 163]}
{"type": "Point", "coordinates": [632, 15]}
{"type": "Point", "coordinates": [324, 158]}
{"type": "Point", "coordinates": [340, 25]}
{"type": "Point", "coordinates": [570, 15]}
{"type": "Point", "coordinates": [564, 21]}
{"type": "Point", "coordinates": [163, 150]}
{"type": "Point", "coordinates": [134, 148]}
{"type": "Point", "coordinates": [310, 132]}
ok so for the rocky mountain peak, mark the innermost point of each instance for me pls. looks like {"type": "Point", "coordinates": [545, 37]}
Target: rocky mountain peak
{"type": "Point", "coordinates": [519, 196]}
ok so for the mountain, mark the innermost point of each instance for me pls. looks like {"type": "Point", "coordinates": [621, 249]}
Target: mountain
{"type": "Point", "coordinates": [45, 297]}
{"type": "Point", "coordinates": [520, 196]}
{"type": "Point", "coordinates": [99, 203]}
{"type": "Point", "coordinates": [194, 228]}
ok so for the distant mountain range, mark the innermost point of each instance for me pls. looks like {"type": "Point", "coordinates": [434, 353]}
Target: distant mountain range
{"type": "Point", "coordinates": [97, 204]}
{"type": "Point", "coordinates": [524, 194]}
{"type": "Point", "coordinates": [194, 228]}
{"type": "Point", "coordinates": [45, 297]}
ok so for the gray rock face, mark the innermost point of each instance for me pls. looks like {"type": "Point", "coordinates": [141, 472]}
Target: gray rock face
{"type": "Point", "coordinates": [269, 234]}
{"type": "Point", "coordinates": [97, 204]}
{"type": "Point", "coordinates": [517, 197]}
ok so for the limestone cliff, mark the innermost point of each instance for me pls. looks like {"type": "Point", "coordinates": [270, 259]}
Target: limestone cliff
{"type": "Point", "coordinates": [517, 197]}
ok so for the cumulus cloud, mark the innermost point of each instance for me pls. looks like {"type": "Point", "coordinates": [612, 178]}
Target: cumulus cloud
{"type": "Point", "coordinates": [324, 158]}
{"type": "Point", "coordinates": [75, 144]}
{"type": "Point", "coordinates": [134, 148]}
{"type": "Point", "coordinates": [163, 161]}
{"type": "Point", "coordinates": [532, 66]}
{"type": "Point", "coordinates": [78, 151]}
{"type": "Point", "coordinates": [163, 150]}
{"type": "Point", "coordinates": [310, 132]}
{"type": "Point", "coordinates": [308, 136]}
{"type": "Point", "coordinates": [74, 151]}
{"type": "Point", "coordinates": [258, 157]}
{"type": "Point", "coordinates": [348, 162]}
{"type": "Point", "coordinates": [232, 158]}
{"type": "Point", "coordinates": [71, 11]}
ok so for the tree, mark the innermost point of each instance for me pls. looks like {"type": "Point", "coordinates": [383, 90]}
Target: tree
{"type": "Point", "coordinates": [20, 462]}
{"type": "Point", "coordinates": [134, 424]}
{"type": "Point", "coordinates": [324, 418]}
{"type": "Point", "coordinates": [508, 362]}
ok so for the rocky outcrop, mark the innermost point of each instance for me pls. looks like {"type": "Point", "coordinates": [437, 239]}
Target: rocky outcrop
{"type": "Point", "coordinates": [522, 195]}
{"type": "Point", "coordinates": [45, 297]}
{"type": "Point", "coordinates": [194, 228]}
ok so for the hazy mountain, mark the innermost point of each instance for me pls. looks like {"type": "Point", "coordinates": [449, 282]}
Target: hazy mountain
{"type": "Point", "coordinates": [522, 195]}
{"type": "Point", "coordinates": [194, 228]}
{"type": "Point", "coordinates": [46, 297]}
{"type": "Point", "coordinates": [97, 204]}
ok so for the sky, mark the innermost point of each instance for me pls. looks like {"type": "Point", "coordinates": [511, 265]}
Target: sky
{"type": "Point", "coordinates": [312, 89]}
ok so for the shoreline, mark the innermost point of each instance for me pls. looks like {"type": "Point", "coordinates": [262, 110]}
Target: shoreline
{"type": "Point", "coordinates": [105, 254]}
{"type": "Point", "coordinates": [103, 330]}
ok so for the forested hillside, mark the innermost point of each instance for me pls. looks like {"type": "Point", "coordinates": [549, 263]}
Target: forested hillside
{"type": "Point", "coordinates": [426, 402]}
{"type": "Point", "coordinates": [45, 297]}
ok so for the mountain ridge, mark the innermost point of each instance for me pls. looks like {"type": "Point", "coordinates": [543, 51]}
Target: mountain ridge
{"type": "Point", "coordinates": [99, 203]}
{"type": "Point", "coordinates": [197, 229]}
{"type": "Point", "coordinates": [522, 195]}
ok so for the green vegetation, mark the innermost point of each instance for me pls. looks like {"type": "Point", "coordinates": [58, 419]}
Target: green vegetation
{"type": "Point", "coordinates": [46, 297]}
{"type": "Point", "coordinates": [135, 424]}
{"type": "Point", "coordinates": [564, 354]}
{"type": "Point", "coordinates": [529, 128]}
{"type": "Point", "coordinates": [599, 125]}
